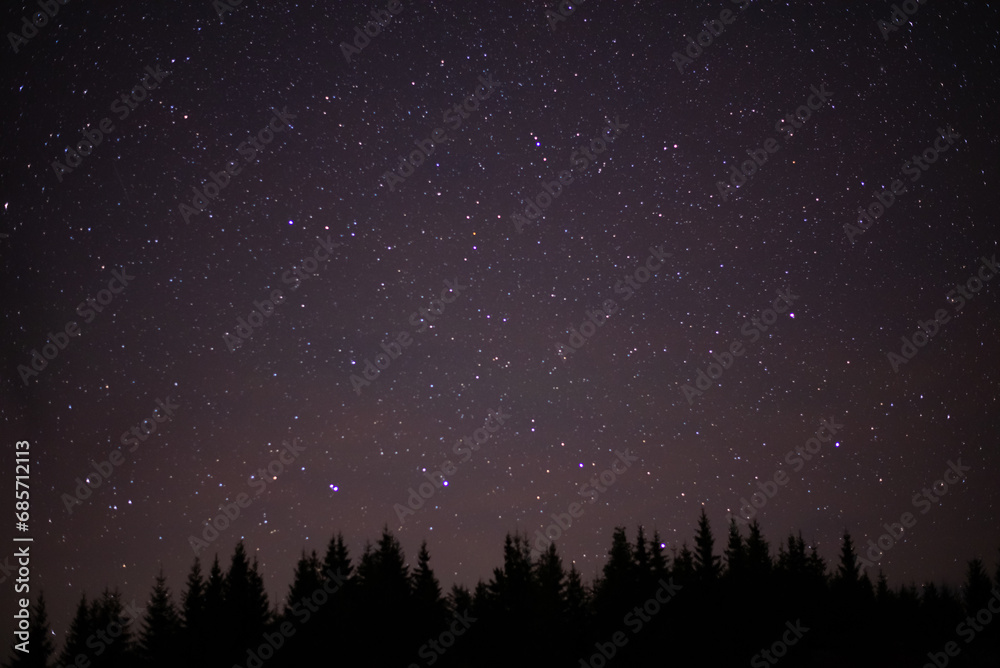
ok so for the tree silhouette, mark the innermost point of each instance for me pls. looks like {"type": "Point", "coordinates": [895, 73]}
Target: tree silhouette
{"type": "Point", "coordinates": [658, 559]}
{"type": "Point", "coordinates": [736, 553]}
{"type": "Point", "coordinates": [684, 565]}
{"type": "Point", "coordinates": [759, 564]}
{"type": "Point", "coordinates": [79, 630]}
{"type": "Point", "coordinates": [114, 644]}
{"type": "Point", "coordinates": [706, 562]}
{"type": "Point", "coordinates": [247, 612]}
{"type": "Point", "coordinates": [40, 648]}
{"type": "Point", "coordinates": [976, 590]}
{"type": "Point", "coordinates": [642, 557]}
{"type": "Point", "coordinates": [848, 572]}
{"type": "Point", "coordinates": [306, 581]}
{"type": "Point", "coordinates": [535, 612]}
{"type": "Point", "coordinates": [161, 628]}
{"type": "Point", "coordinates": [430, 609]}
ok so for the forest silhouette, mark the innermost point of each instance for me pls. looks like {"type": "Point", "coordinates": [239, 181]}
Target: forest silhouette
{"type": "Point", "coordinates": [738, 604]}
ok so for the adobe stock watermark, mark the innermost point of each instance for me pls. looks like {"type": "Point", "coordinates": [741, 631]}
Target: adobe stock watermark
{"type": "Point", "coordinates": [103, 469]}
{"type": "Point", "coordinates": [30, 28]}
{"type": "Point", "coordinates": [787, 125]}
{"type": "Point", "coordinates": [232, 511]}
{"type": "Point", "coordinates": [422, 319]}
{"type": "Point", "coordinates": [580, 160]}
{"type": "Point", "coordinates": [459, 112]}
{"type": "Point", "coordinates": [751, 329]}
{"type": "Point", "coordinates": [434, 649]}
{"type": "Point", "coordinates": [303, 610]}
{"type": "Point", "coordinates": [381, 18]}
{"type": "Point", "coordinates": [93, 137]}
{"type": "Point", "coordinates": [713, 28]}
{"type": "Point", "coordinates": [967, 630]}
{"type": "Point", "coordinates": [436, 478]}
{"type": "Point", "coordinates": [217, 181]}
{"type": "Point", "coordinates": [626, 286]}
{"type": "Point", "coordinates": [779, 648]}
{"type": "Point", "coordinates": [636, 620]}
{"type": "Point", "coordinates": [954, 474]}
{"type": "Point", "coordinates": [914, 168]}
{"type": "Point", "coordinates": [60, 340]}
{"type": "Point", "coordinates": [566, 9]}
{"type": "Point", "coordinates": [797, 459]}
{"type": "Point", "coordinates": [600, 484]}
{"type": "Point", "coordinates": [303, 271]}
{"type": "Point", "coordinates": [929, 328]}
{"type": "Point", "coordinates": [223, 6]}
{"type": "Point", "coordinates": [103, 638]}
{"type": "Point", "coordinates": [898, 17]}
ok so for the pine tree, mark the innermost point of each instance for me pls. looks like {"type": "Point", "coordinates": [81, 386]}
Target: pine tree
{"type": "Point", "coordinates": [40, 648]}
{"type": "Point", "coordinates": [193, 609]}
{"type": "Point", "coordinates": [429, 604]}
{"type": "Point", "coordinates": [658, 558]}
{"type": "Point", "coordinates": [384, 593]}
{"type": "Point", "coordinates": [706, 563]}
{"type": "Point", "coordinates": [215, 605]}
{"type": "Point", "coordinates": [259, 611]}
{"type": "Point", "coordinates": [246, 605]}
{"type": "Point", "coordinates": [848, 572]}
{"type": "Point", "coordinates": [976, 590]}
{"type": "Point", "coordinates": [759, 563]}
{"type": "Point", "coordinates": [306, 581]}
{"type": "Point", "coordinates": [511, 586]}
{"type": "Point", "coordinates": [212, 630]}
{"type": "Point", "coordinates": [337, 561]}
{"type": "Point", "coordinates": [108, 615]}
{"type": "Point", "coordinates": [792, 561]}
{"type": "Point", "coordinates": [195, 617]}
{"type": "Point", "coordinates": [736, 553]}
{"type": "Point", "coordinates": [460, 599]}
{"type": "Point", "coordinates": [160, 634]}
{"type": "Point", "coordinates": [815, 566]}
{"type": "Point", "coordinates": [882, 593]}
{"type": "Point", "coordinates": [79, 630]}
{"type": "Point", "coordinates": [338, 618]}
{"type": "Point", "coordinates": [684, 565]}
{"type": "Point", "coordinates": [642, 557]}
{"type": "Point", "coordinates": [550, 576]}
{"type": "Point", "coordinates": [620, 567]}
{"type": "Point", "coordinates": [576, 594]}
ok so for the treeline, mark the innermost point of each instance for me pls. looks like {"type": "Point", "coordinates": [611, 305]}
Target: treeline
{"type": "Point", "coordinates": [741, 604]}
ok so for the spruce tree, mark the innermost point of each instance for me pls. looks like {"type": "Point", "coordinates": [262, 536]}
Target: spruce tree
{"type": "Point", "coordinates": [337, 561]}
{"type": "Point", "coordinates": [848, 572]}
{"type": "Point", "coordinates": [305, 582]}
{"type": "Point", "coordinates": [108, 615]}
{"type": "Point", "coordinates": [736, 553]}
{"type": "Point", "coordinates": [976, 590]}
{"type": "Point", "coordinates": [759, 563]}
{"type": "Point", "coordinates": [426, 588]}
{"type": "Point", "coordinates": [247, 612]}
{"type": "Point", "coordinates": [161, 629]}
{"type": "Point", "coordinates": [642, 557]}
{"type": "Point", "coordinates": [550, 576]}
{"type": "Point", "coordinates": [706, 563]}
{"type": "Point", "coordinates": [657, 558]}
{"type": "Point", "coordinates": [684, 565]}
{"type": "Point", "coordinates": [80, 629]}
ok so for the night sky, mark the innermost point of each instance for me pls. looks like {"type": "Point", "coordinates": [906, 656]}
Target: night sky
{"type": "Point", "coordinates": [309, 217]}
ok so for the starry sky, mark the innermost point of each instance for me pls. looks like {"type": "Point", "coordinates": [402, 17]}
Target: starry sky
{"type": "Point", "coordinates": [310, 130]}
